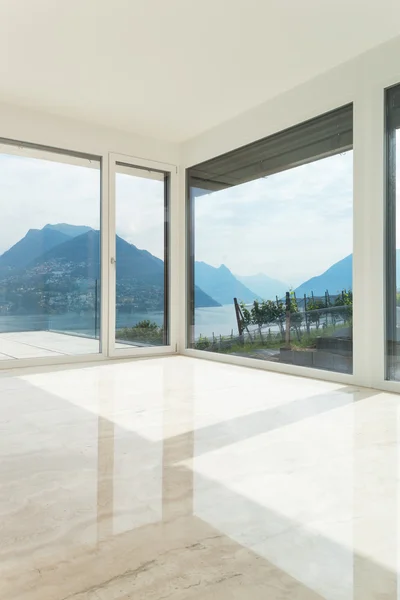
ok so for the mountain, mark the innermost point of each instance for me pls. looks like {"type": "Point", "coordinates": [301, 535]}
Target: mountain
{"type": "Point", "coordinates": [337, 278]}
{"type": "Point", "coordinates": [203, 300]}
{"type": "Point", "coordinates": [140, 265]}
{"type": "Point", "coordinates": [61, 262]}
{"type": "Point", "coordinates": [83, 253]}
{"type": "Point", "coordinates": [265, 287]}
{"type": "Point", "coordinates": [69, 230]}
{"type": "Point", "coordinates": [132, 264]}
{"type": "Point", "coordinates": [35, 243]}
{"type": "Point", "coordinates": [80, 256]}
{"type": "Point", "coordinates": [221, 284]}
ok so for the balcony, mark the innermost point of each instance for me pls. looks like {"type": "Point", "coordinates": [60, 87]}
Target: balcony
{"type": "Point", "coordinates": [37, 344]}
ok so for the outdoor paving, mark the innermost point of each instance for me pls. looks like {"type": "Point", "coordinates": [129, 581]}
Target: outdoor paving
{"type": "Point", "coordinates": [36, 344]}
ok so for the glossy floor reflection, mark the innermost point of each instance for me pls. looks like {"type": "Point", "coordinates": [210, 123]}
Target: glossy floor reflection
{"type": "Point", "coordinates": [184, 479]}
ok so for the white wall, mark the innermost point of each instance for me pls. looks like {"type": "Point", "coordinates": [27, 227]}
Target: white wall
{"type": "Point", "coordinates": [40, 128]}
{"type": "Point", "coordinates": [361, 81]}
{"type": "Point", "coordinates": [376, 69]}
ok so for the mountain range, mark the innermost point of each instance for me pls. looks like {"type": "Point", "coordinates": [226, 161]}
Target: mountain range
{"type": "Point", "coordinates": [79, 248]}
{"type": "Point", "coordinates": [264, 286]}
{"type": "Point", "coordinates": [69, 230]}
{"type": "Point", "coordinates": [335, 279]}
{"type": "Point", "coordinates": [221, 284]}
{"type": "Point", "coordinates": [34, 244]}
{"type": "Point", "coordinates": [54, 246]}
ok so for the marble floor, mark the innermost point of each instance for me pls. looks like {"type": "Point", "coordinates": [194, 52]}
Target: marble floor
{"type": "Point", "coordinates": [183, 479]}
{"type": "Point", "coordinates": [37, 344]}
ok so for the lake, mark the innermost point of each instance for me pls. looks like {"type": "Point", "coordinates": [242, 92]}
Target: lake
{"type": "Point", "coordinates": [219, 320]}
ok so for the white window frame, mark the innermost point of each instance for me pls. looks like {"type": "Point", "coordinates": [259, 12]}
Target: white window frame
{"type": "Point", "coordinates": [369, 201]}
{"type": "Point", "coordinates": [107, 218]}
{"type": "Point", "coordinates": [108, 256]}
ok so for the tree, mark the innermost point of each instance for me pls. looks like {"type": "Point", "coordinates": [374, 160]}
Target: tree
{"type": "Point", "coordinates": [246, 314]}
{"type": "Point", "coordinates": [144, 331]}
{"type": "Point", "coordinates": [263, 313]}
{"type": "Point", "coordinates": [315, 310]}
{"type": "Point", "coordinates": [345, 302]}
{"type": "Point", "coordinates": [296, 317]}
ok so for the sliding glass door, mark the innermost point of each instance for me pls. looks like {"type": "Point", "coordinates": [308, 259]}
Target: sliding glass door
{"type": "Point", "coordinates": [139, 258]}
{"type": "Point", "coordinates": [84, 255]}
{"type": "Point", "coordinates": [49, 253]}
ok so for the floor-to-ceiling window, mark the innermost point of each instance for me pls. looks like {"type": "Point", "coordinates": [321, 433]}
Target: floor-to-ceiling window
{"type": "Point", "coordinates": [49, 253]}
{"type": "Point", "coordinates": [393, 235]}
{"type": "Point", "coordinates": [141, 255]}
{"type": "Point", "coordinates": [271, 247]}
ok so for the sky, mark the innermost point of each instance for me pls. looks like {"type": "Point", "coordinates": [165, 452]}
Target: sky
{"type": "Point", "coordinates": [36, 192]}
{"type": "Point", "coordinates": [291, 225]}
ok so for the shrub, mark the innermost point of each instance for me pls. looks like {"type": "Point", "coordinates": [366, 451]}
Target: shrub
{"type": "Point", "coordinates": [144, 331]}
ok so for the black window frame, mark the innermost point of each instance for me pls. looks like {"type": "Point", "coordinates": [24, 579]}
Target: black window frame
{"type": "Point", "coordinates": [325, 135]}
{"type": "Point", "coordinates": [392, 124]}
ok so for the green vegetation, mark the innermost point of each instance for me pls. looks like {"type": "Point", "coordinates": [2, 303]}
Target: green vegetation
{"type": "Point", "coordinates": [267, 313]}
{"type": "Point", "coordinates": [264, 324]}
{"type": "Point", "coordinates": [145, 332]}
{"type": "Point", "coordinates": [345, 300]}
{"type": "Point", "coordinates": [269, 340]}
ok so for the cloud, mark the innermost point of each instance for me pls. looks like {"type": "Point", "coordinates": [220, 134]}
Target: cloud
{"type": "Point", "coordinates": [291, 225]}
{"type": "Point", "coordinates": [140, 212]}
{"type": "Point", "coordinates": [34, 192]}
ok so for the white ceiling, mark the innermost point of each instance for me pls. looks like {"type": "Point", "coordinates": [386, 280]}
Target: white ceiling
{"type": "Point", "coordinates": [171, 69]}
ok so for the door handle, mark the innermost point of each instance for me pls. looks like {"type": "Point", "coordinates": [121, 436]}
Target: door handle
{"type": "Point", "coordinates": [113, 261]}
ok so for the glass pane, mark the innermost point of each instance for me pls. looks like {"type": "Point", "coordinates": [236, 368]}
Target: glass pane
{"type": "Point", "coordinates": [141, 257]}
{"type": "Point", "coordinates": [49, 254]}
{"type": "Point", "coordinates": [393, 263]}
{"type": "Point", "coordinates": [272, 266]}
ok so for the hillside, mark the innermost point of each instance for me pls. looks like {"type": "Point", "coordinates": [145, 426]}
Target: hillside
{"type": "Point", "coordinates": [69, 230]}
{"type": "Point", "coordinates": [203, 300]}
{"type": "Point", "coordinates": [221, 284]}
{"type": "Point", "coordinates": [47, 264]}
{"type": "Point", "coordinates": [140, 265]}
{"type": "Point", "coordinates": [35, 243]}
{"type": "Point", "coordinates": [335, 279]}
{"type": "Point", "coordinates": [265, 287]}
{"type": "Point", "coordinates": [82, 253]}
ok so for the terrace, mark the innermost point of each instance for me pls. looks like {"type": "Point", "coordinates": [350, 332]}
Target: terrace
{"type": "Point", "coordinates": [38, 344]}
